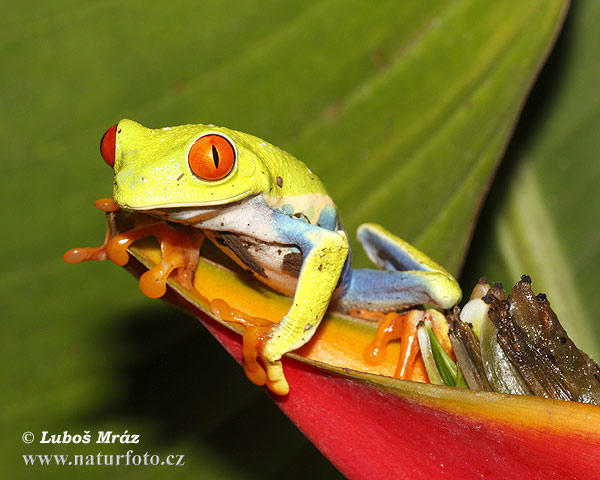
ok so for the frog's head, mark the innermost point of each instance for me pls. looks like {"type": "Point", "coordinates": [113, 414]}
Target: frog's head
{"type": "Point", "coordinates": [185, 166]}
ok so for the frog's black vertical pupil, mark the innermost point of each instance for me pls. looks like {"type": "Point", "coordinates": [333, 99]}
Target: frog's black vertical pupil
{"type": "Point", "coordinates": [215, 155]}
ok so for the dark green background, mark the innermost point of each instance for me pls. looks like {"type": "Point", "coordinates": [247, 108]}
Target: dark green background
{"type": "Point", "coordinates": [403, 110]}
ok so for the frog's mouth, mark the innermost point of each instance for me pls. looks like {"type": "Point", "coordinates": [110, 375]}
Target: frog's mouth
{"type": "Point", "coordinates": [140, 204]}
{"type": "Point", "coordinates": [192, 214]}
{"type": "Point", "coordinates": [185, 215]}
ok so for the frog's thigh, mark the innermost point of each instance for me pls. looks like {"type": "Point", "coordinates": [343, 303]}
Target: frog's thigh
{"type": "Point", "coordinates": [380, 291]}
{"type": "Point", "coordinates": [390, 252]}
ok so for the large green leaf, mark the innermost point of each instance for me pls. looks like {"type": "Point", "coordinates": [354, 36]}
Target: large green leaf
{"type": "Point", "coordinates": [401, 108]}
{"type": "Point", "coordinates": [542, 217]}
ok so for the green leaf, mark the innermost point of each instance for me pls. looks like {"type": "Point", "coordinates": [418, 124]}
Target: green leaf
{"type": "Point", "coordinates": [542, 216]}
{"type": "Point", "coordinates": [402, 109]}
{"type": "Point", "coordinates": [427, 109]}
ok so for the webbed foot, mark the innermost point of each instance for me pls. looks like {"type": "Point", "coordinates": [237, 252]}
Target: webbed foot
{"type": "Point", "coordinates": [179, 251]}
{"type": "Point", "coordinates": [403, 327]}
{"type": "Point", "coordinates": [260, 366]}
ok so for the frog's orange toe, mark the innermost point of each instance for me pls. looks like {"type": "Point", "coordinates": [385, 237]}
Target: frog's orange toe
{"type": "Point", "coordinates": [390, 328]}
{"type": "Point", "coordinates": [258, 368]}
{"type": "Point", "coordinates": [106, 205]}
{"type": "Point", "coordinates": [153, 283]}
{"type": "Point", "coordinates": [84, 254]}
{"type": "Point", "coordinates": [409, 348]}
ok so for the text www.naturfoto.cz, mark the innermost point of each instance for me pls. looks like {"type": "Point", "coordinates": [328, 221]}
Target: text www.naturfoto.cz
{"type": "Point", "coordinates": [114, 460]}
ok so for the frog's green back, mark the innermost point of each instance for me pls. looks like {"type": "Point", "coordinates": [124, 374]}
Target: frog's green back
{"type": "Point", "coordinates": [290, 176]}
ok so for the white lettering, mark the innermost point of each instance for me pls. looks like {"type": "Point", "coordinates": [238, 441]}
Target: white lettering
{"type": "Point", "coordinates": [104, 437]}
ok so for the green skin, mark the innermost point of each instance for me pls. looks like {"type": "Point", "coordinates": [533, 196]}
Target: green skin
{"type": "Point", "coordinates": [273, 216]}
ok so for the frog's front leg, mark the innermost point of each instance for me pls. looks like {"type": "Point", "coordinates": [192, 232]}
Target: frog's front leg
{"type": "Point", "coordinates": [323, 255]}
{"type": "Point", "coordinates": [410, 277]}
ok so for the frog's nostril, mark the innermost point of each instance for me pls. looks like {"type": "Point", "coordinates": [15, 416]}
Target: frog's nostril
{"type": "Point", "coordinates": [108, 145]}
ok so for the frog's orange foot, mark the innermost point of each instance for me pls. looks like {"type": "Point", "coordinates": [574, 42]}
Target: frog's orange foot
{"type": "Point", "coordinates": [269, 371]}
{"type": "Point", "coordinates": [394, 326]}
{"type": "Point", "coordinates": [259, 369]}
{"type": "Point", "coordinates": [403, 327]}
{"type": "Point", "coordinates": [179, 252]}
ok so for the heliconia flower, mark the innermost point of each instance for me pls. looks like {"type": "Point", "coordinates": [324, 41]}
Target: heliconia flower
{"type": "Point", "coordinates": [368, 423]}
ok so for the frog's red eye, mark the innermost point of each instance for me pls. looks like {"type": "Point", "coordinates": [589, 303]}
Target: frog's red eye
{"type": "Point", "coordinates": [211, 157]}
{"type": "Point", "coordinates": [108, 145]}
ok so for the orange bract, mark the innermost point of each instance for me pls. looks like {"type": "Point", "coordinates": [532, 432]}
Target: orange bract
{"type": "Point", "coordinates": [211, 157]}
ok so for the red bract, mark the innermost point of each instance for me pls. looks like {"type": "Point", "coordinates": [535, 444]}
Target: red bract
{"type": "Point", "coordinates": [375, 427]}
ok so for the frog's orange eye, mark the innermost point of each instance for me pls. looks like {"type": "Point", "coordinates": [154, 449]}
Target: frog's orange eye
{"type": "Point", "coordinates": [108, 145]}
{"type": "Point", "coordinates": [211, 157]}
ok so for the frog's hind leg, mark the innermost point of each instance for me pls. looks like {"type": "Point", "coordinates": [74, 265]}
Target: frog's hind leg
{"type": "Point", "coordinates": [409, 278]}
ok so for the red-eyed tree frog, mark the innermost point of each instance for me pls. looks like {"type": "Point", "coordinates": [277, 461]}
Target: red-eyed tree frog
{"type": "Point", "coordinates": [268, 212]}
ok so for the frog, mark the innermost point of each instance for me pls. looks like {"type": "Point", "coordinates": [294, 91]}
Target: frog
{"type": "Point", "coordinates": [270, 214]}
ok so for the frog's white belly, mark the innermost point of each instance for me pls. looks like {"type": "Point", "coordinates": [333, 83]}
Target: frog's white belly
{"type": "Point", "coordinates": [275, 265]}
